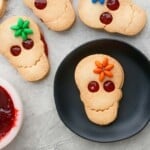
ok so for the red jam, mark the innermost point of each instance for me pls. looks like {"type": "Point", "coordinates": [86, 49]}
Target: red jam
{"type": "Point", "coordinates": [113, 4]}
{"type": "Point", "coordinates": [45, 45]}
{"type": "Point", "coordinates": [7, 113]}
{"type": "Point", "coordinates": [106, 18]}
{"type": "Point", "coordinates": [109, 86]}
{"type": "Point", "coordinates": [93, 86]}
{"type": "Point", "coordinates": [15, 50]}
{"type": "Point", "coordinates": [28, 44]}
{"type": "Point", "coordinates": [40, 4]}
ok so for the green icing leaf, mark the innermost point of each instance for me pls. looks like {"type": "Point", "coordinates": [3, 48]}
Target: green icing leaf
{"type": "Point", "coordinates": [18, 33]}
{"type": "Point", "coordinates": [28, 31]}
{"type": "Point", "coordinates": [22, 29]}
{"type": "Point", "coordinates": [20, 22]}
{"type": "Point", "coordinates": [26, 24]}
{"type": "Point", "coordinates": [24, 36]}
{"type": "Point", "coordinates": [14, 27]}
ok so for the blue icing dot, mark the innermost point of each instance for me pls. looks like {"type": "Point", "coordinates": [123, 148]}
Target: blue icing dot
{"type": "Point", "coordinates": [101, 1]}
{"type": "Point", "coordinates": [94, 1]}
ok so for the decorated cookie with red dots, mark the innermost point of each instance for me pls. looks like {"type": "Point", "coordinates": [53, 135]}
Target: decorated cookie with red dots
{"type": "Point", "coordinates": [2, 7]}
{"type": "Point", "coordinates": [23, 44]}
{"type": "Point", "coordinates": [99, 79]}
{"type": "Point", "coordinates": [115, 16]}
{"type": "Point", "coordinates": [58, 15]}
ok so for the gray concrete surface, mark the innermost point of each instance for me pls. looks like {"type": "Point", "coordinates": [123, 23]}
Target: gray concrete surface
{"type": "Point", "coordinates": [42, 128]}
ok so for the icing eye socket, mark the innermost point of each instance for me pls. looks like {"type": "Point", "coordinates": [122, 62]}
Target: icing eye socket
{"type": "Point", "coordinates": [40, 4]}
{"type": "Point", "coordinates": [109, 86]}
{"type": "Point", "coordinates": [106, 18]}
{"type": "Point", "coordinates": [113, 4]}
{"type": "Point", "coordinates": [28, 44]}
{"type": "Point", "coordinates": [93, 86]}
{"type": "Point", "coordinates": [15, 50]}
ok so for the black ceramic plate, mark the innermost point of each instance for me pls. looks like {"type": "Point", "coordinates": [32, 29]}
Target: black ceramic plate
{"type": "Point", "coordinates": [134, 110]}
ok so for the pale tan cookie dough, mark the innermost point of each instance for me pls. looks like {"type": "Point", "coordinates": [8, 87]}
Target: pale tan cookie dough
{"type": "Point", "coordinates": [2, 7]}
{"type": "Point", "coordinates": [101, 107]}
{"type": "Point", "coordinates": [32, 64]}
{"type": "Point", "coordinates": [58, 15]}
{"type": "Point", "coordinates": [129, 19]}
{"type": "Point", "coordinates": [104, 117]}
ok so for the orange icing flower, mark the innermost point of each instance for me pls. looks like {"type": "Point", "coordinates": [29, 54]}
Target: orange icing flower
{"type": "Point", "coordinates": [103, 69]}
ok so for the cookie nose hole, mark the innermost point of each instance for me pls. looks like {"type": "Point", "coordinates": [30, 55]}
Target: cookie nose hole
{"type": "Point", "coordinates": [28, 44]}
{"type": "Point", "coordinates": [15, 50]}
{"type": "Point", "coordinates": [40, 4]}
{"type": "Point", "coordinates": [109, 86]}
{"type": "Point", "coordinates": [93, 86]}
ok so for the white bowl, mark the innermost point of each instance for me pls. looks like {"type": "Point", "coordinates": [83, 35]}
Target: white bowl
{"type": "Point", "coordinates": [19, 118]}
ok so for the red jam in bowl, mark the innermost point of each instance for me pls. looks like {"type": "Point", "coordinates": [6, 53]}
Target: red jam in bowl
{"type": "Point", "coordinates": [7, 113]}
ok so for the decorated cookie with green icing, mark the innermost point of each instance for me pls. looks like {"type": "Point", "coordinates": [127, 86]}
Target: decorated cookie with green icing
{"type": "Point", "coordinates": [24, 46]}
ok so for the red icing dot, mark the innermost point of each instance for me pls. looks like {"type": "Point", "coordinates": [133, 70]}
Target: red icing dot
{"type": "Point", "coordinates": [7, 113]}
{"type": "Point", "coordinates": [113, 4]}
{"type": "Point", "coordinates": [28, 44]}
{"type": "Point", "coordinates": [15, 50]}
{"type": "Point", "coordinates": [109, 86]}
{"type": "Point", "coordinates": [40, 4]}
{"type": "Point", "coordinates": [93, 86]}
{"type": "Point", "coordinates": [106, 18]}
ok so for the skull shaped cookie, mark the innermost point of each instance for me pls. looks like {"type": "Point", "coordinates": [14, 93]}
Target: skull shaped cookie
{"type": "Point", "coordinates": [116, 16]}
{"type": "Point", "coordinates": [99, 79]}
{"type": "Point", "coordinates": [58, 15]}
{"type": "Point", "coordinates": [24, 47]}
{"type": "Point", "coordinates": [2, 7]}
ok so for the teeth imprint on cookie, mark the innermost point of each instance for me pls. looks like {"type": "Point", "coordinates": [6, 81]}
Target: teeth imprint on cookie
{"type": "Point", "coordinates": [101, 100]}
{"type": "Point", "coordinates": [103, 110]}
{"type": "Point", "coordinates": [103, 117]}
{"type": "Point", "coordinates": [36, 63]}
{"type": "Point", "coordinates": [37, 71]}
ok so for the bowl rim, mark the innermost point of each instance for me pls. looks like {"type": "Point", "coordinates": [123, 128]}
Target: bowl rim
{"type": "Point", "coordinates": [19, 106]}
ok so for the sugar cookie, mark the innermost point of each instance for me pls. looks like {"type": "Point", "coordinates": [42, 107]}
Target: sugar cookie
{"type": "Point", "coordinates": [58, 15]}
{"type": "Point", "coordinates": [24, 47]}
{"type": "Point", "coordinates": [115, 16]}
{"type": "Point", "coordinates": [99, 79]}
{"type": "Point", "coordinates": [2, 7]}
